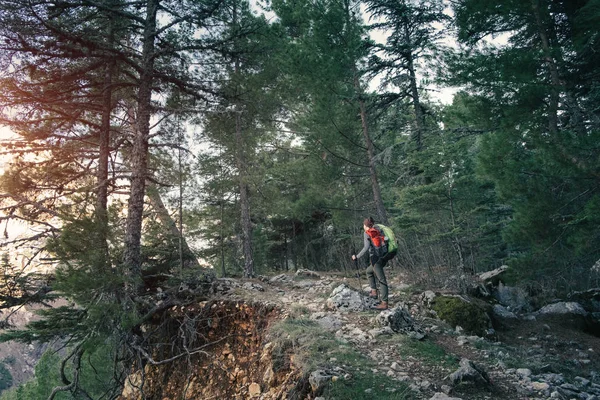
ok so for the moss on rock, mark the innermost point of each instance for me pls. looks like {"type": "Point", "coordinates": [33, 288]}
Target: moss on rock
{"type": "Point", "coordinates": [470, 316]}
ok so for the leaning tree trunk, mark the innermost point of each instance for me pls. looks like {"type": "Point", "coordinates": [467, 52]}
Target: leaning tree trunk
{"type": "Point", "coordinates": [189, 259]}
{"type": "Point", "coordinates": [139, 154]}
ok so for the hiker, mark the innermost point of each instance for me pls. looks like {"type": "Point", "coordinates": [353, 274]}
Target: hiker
{"type": "Point", "coordinates": [378, 257]}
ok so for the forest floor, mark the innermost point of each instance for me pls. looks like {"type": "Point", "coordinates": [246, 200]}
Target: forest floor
{"type": "Point", "coordinates": [531, 359]}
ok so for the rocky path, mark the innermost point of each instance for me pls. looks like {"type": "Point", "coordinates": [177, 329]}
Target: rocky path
{"type": "Point", "coordinates": [436, 361]}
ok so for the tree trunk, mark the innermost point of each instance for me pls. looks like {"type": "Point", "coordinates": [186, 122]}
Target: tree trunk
{"type": "Point", "coordinates": [553, 69]}
{"type": "Point", "coordinates": [244, 200]}
{"type": "Point", "coordinates": [379, 206]}
{"type": "Point", "coordinates": [414, 90]}
{"type": "Point", "coordinates": [103, 159]}
{"type": "Point", "coordinates": [139, 154]}
{"type": "Point", "coordinates": [243, 183]}
{"type": "Point", "coordinates": [165, 218]}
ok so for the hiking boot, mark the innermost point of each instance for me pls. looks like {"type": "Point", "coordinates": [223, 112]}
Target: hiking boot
{"type": "Point", "coordinates": [373, 294]}
{"type": "Point", "coordinates": [381, 306]}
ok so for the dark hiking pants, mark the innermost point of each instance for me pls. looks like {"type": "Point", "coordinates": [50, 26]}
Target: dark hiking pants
{"type": "Point", "coordinates": [376, 271]}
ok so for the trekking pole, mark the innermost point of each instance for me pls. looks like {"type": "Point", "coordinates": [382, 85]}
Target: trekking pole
{"type": "Point", "coordinates": [358, 278]}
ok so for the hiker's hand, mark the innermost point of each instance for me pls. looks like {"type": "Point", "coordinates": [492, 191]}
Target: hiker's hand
{"type": "Point", "coordinates": [353, 256]}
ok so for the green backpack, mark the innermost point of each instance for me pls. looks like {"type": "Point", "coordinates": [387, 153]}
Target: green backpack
{"type": "Point", "coordinates": [392, 246]}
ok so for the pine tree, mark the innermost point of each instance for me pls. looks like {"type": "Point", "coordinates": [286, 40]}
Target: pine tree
{"type": "Point", "coordinates": [540, 152]}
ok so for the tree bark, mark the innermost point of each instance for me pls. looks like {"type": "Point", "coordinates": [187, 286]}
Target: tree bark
{"type": "Point", "coordinates": [414, 90]}
{"type": "Point", "coordinates": [189, 259]}
{"type": "Point", "coordinates": [139, 154]}
{"type": "Point", "coordinates": [552, 68]}
{"type": "Point", "coordinates": [103, 157]}
{"type": "Point", "coordinates": [242, 177]}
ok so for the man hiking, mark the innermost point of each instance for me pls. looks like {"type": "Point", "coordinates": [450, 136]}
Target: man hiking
{"type": "Point", "coordinates": [375, 243]}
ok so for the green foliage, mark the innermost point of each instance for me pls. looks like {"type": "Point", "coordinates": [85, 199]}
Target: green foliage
{"type": "Point", "coordinates": [457, 312]}
{"type": "Point", "coordinates": [6, 379]}
{"type": "Point", "coordinates": [96, 377]}
{"type": "Point", "coordinates": [365, 385]}
{"type": "Point", "coordinates": [428, 352]}
{"type": "Point", "coordinates": [541, 161]}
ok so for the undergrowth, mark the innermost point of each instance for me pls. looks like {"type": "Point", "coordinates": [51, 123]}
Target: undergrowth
{"type": "Point", "coordinates": [426, 351]}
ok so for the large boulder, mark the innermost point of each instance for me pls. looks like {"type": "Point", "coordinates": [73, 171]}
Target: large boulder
{"type": "Point", "coordinates": [514, 297]}
{"type": "Point", "coordinates": [565, 313]}
{"type": "Point", "coordinates": [345, 299]}
{"type": "Point", "coordinates": [562, 308]}
{"type": "Point", "coordinates": [469, 314]}
{"type": "Point", "coordinates": [502, 317]}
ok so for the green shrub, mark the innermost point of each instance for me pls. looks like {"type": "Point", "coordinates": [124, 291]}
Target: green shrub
{"type": "Point", "coordinates": [5, 378]}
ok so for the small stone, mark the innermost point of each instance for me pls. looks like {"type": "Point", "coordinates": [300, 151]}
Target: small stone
{"type": "Point", "coordinates": [254, 389]}
{"type": "Point", "coordinates": [582, 381]}
{"type": "Point", "coordinates": [570, 387]}
{"type": "Point", "coordinates": [443, 396]}
{"type": "Point", "coordinates": [395, 366]}
{"type": "Point", "coordinates": [523, 372]}
{"type": "Point", "coordinates": [540, 386]}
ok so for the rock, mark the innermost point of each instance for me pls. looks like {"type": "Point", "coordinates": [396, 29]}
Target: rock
{"type": "Point", "coordinates": [502, 312]}
{"type": "Point", "coordinates": [462, 340]}
{"type": "Point", "coordinates": [398, 319]}
{"type": "Point", "coordinates": [224, 285]}
{"type": "Point", "coordinates": [317, 379]}
{"type": "Point", "coordinates": [253, 286]}
{"type": "Point", "coordinates": [540, 386]}
{"type": "Point", "coordinates": [469, 372]}
{"type": "Point", "coordinates": [582, 382]}
{"type": "Point", "coordinates": [328, 321]}
{"type": "Point", "coordinates": [562, 308]}
{"type": "Point", "coordinates": [443, 396]}
{"type": "Point", "coordinates": [346, 299]}
{"type": "Point", "coordinates": [416, 335]}
{"type": "Point", "coordinates": [554, 379]}
{"type": "Point", "coordinates": [523, 373]}
{"type": "Point", "coordinates": [308, 273]}
{"type": "Point", "coordinates": [514, 297]}
{"type": "Point", "coordinates": [281, 278]}
{"type": "Point", "coordinates": [254, 389]}
{"type": "Point", "coordinates": [469, 314]}
{"type": "Point", "coordinates": [567, 314]}
{"type": "Point", "coordinates": [376, 332]}
{"type": "Point", "coordinates": [427, 298]}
